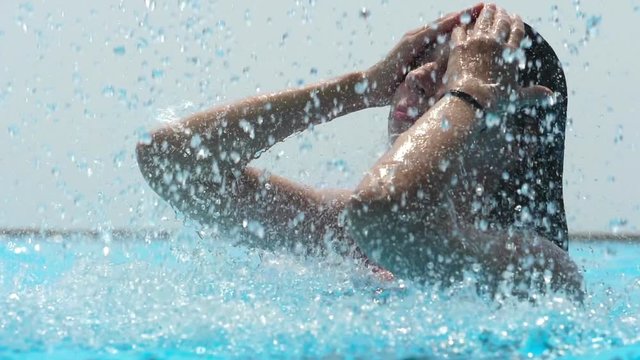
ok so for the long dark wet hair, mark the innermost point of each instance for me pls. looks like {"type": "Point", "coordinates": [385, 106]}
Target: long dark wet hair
{"type": "Point", "coordinates": [542, 171]}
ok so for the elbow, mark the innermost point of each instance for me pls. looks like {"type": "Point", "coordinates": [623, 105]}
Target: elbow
{"type": "Point", "coordinates": [145, 155]}
{"type": "Point", "coordinates": [369, 218]}
{"type": "Point", "coordinates": [151, 156]}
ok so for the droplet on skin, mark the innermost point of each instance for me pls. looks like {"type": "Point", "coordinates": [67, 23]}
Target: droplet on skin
{"type": "Point", "coordinates": [362, 86]}
{"type": "Point", "coordinates": [444, 124]}
{"type": "Point", "coordinates": [247, 127]}
{"type": "Point", "coordinates": [196, 140]}
{"type": "Point", "coordinates": [465, 18]}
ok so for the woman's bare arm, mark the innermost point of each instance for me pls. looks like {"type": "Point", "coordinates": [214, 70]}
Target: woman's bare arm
{"type": "Point", "coordinates": [200, 164]}
{"type": "Point", "coordinates": [408, 191]}
{"type": "Point", "coordinates": [413, 212]}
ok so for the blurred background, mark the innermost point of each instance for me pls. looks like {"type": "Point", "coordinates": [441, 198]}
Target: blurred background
{"type": "Point", "coordinates": [82, 82]}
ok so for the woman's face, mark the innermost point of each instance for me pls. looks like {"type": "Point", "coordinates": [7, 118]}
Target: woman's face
{"type": "Point", "coordinates": [419, 91]}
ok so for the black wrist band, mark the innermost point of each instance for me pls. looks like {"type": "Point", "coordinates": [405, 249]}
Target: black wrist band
{"type": "Point", "coordinates": [467, 98]}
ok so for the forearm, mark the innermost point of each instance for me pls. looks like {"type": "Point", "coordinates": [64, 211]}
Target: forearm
{"type": "Point", "coordinates": [234, 134]}
{"type": "Point", "coordinates": [400, 202]}
{"type": "Point", "coordinates": [418, 163]}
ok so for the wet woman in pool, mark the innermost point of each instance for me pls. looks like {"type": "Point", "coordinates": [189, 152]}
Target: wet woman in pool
{"type": "Point", "coordinates": [473, 179]}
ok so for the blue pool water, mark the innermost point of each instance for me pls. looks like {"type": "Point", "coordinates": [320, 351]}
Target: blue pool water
{"type": "Point", "coordinates": [185, 297]}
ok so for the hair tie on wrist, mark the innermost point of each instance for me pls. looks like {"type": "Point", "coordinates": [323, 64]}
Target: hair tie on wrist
{"type": "Point", "coordinates": [468, 98]}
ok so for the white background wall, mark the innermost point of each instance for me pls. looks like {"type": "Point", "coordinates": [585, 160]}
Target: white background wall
{"type": "Point", "coordinates": [81, 81]}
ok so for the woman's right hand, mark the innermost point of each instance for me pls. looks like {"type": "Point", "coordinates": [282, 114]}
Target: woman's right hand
{"type": "Point", "coordinates": [484, 61]}
{"type": "Point", "coordinates": [384, 77]}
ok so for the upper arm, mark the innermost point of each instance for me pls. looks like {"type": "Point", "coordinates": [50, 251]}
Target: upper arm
{"type": "Point", "coordinates": [288, 213]}
{"type": "Point", "coordinates": [267, 210]}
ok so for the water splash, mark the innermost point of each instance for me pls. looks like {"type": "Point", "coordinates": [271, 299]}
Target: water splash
{"type": "Point", "coordinates": [119, 50]}
{"type": "Point", "coordinates": [197, 296]}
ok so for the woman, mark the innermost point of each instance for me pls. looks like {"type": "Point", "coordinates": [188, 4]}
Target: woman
{"type": "Point", "coordinates": [472, 180]}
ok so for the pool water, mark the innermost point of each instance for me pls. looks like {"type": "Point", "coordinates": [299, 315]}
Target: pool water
{"type": "Point", "coordinates": [182, 298]}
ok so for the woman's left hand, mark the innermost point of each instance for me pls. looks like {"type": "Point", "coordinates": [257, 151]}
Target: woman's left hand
{"type": "Point", "coordinates": [384, 77]}
{"type": "Point", "coordinates": [483, 62]}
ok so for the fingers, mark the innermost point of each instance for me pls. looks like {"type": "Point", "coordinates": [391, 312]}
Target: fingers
{"type": "Point", "coordinates": [473, 11]}
{"type": "Point", "coordinates": [501, 27]}
{"type": "Point", "coordinates": [517, 32]}
{"type": "Point", "coordinates": [485, 19]}
{"type": "Point", "coordinates": [458, 35]}
{"type": "Point", "coordinates": [450, 21]}
{"type": "Point", "coordinates": [534, 95]}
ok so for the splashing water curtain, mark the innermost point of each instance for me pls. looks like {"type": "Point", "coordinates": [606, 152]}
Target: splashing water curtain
{"type": "Point", "coordinates": [93, 264]}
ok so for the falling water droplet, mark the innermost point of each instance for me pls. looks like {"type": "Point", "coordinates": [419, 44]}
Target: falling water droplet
{"type": "Point", "coordinates": [144, 137]}
{"type": "Point", "coordinates": [593, 23]}
{"type": "Point", "coordinates": [617, 224]}
{"type": "Point", "coordinates": [13, 130]}
{"type": "Point", "coordinates": [108, 91]}
{"type": "Point", "coordinates": [150, 4]}
{"type": "Point", "coordinates": [157, 73]}
{"type": "Point", "coordinates": [118, 158]}
{"type": "Point", "coordinates": [364, 13]}
{"type": "Point", "coordinates": [619, 135]}
{"type": "Point", "coordinates": [119, 50]}
{"type": "Point", "coordinates": [255, 228]}
{"type": "Point", "coordinates": [247, 17]}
